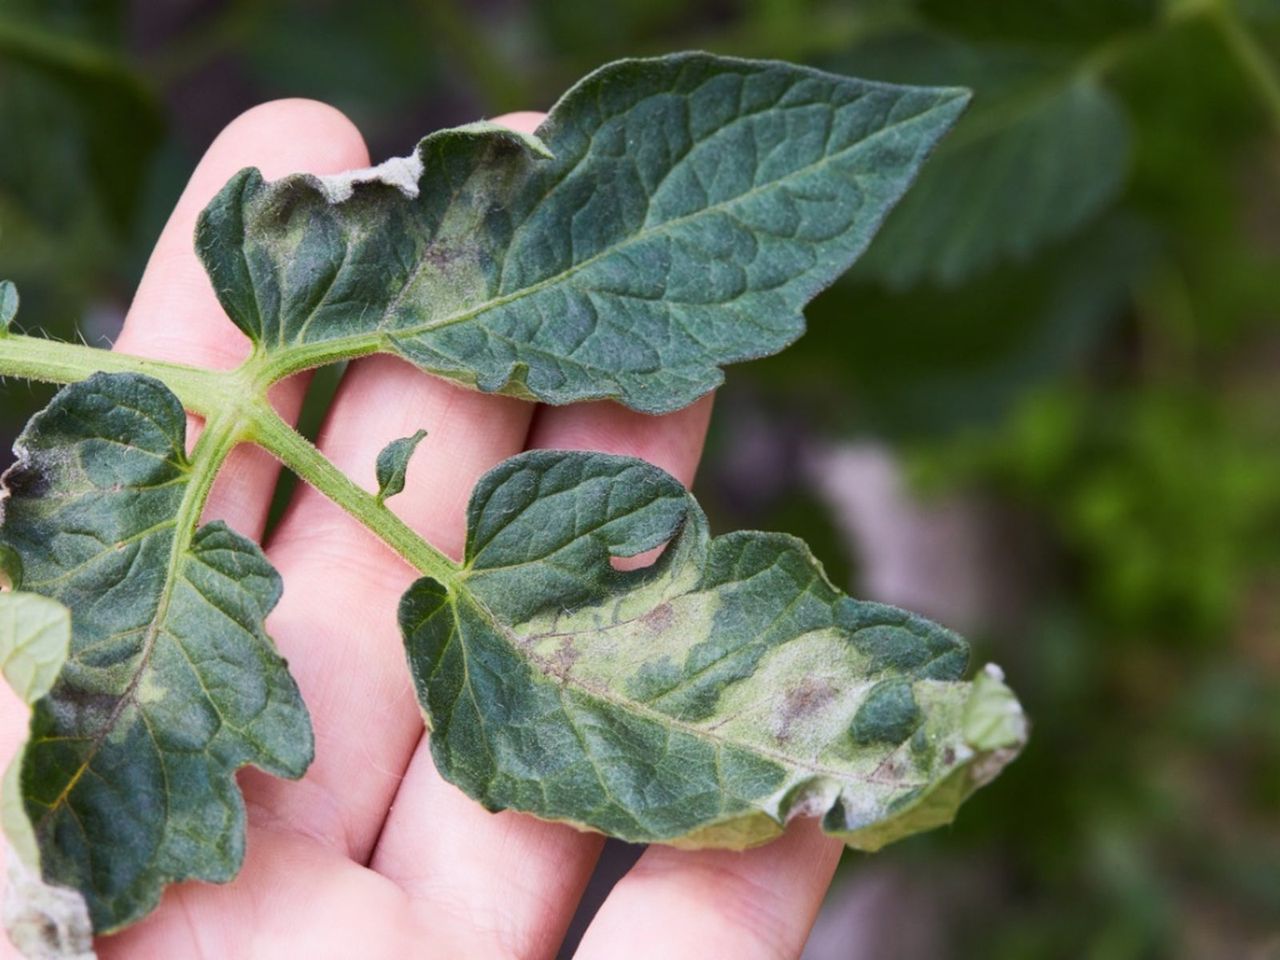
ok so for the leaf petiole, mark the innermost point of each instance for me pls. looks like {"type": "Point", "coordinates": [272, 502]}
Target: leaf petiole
{"type": "Point", "coordinates": [301, 456]}
{"type": "Point", "coordinates": [242, 414]}
{"type": "Point", "coordinates": [51, 361]}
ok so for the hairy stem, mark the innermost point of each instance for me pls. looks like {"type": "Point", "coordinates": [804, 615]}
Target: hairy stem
{"type": "Point", "coordinates": [230, 399]}
{"type": "Point", "coordinates": [51, 361]}
{"type": "Point", "coordinates": [308, 356]}
{"type": "Point", "coordinates": [300, 455]}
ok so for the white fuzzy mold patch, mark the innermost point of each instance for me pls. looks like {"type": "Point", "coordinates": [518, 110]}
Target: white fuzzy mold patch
{"type": "Point", "coordinates": [403, 173]}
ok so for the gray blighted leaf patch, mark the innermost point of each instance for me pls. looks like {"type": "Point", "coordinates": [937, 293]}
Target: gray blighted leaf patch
{"type": "Point", "coordinates": [393, 464]}
{"type": "Point", "coordinates": [670, 216]}
{"type": "Point", "coordinates": [170, 682]}
{"type": "Point", "coordinates": [702, 701]}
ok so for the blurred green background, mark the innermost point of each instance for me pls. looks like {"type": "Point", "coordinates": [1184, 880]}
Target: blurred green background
{"type": "Point", "coordinates": [1044, 408]}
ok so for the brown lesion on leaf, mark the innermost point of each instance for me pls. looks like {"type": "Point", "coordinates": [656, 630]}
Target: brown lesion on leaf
{"type": "Point", "coordinates": [801, 701]}
{"type": "Point", "coordinates": [660, 618]}
{"type": "Point", "coordinates": [564, 658]}
{"type": "Point", "coordinates": [558, 663]}
{"type": "Point", "coordinates": [440, 254]}
{"type": "Point", "coordinates": [24, 479]}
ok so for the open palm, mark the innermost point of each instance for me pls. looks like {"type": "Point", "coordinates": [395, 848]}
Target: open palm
{"type": "Point", "coordinates": [372, 854]}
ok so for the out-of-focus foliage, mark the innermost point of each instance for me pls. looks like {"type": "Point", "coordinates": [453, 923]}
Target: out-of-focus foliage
{"type": "Point", "coordinates": [1043, 150]}
{"type": "Point", "coordinates": [80, 128]}
{"type": "Point", "coordinates": [1073, 318]}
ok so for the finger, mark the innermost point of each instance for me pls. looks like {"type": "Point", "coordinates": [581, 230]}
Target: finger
{"type": "Point", "coordinates": [13, 730]}
{"type": "Point", "coordinates": [717, 903]}
{"type": "Point", "coordinates": [175, 315]}
{"type": "Point", "coordinates": [673, 442]}
{"type": "Point", "coordinates": [512, 880]}
{"type": "Point", "coordinates": [337, 621]}
{"type": "Point", "coordinates": [342, 638]}
{"type": "Point", "coordinates": [294, 899]}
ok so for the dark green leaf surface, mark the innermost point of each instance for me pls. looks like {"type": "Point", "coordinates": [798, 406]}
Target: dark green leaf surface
{"type": "Point", "coordinates": [393, 464]}
{"type": "Point", "coordinates": [671, 216]}
{"type": "Point", "coordinates": [171, 682]}
{"type": "Point", "coordinates": [702, 701]}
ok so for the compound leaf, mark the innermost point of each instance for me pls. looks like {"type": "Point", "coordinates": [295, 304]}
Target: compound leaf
{"type": "Point", "coordinates": [669, 217]}
{"type": "Point", "coordinates": [170, 683]}
{"type": "Point", "coordinates": [702, 701]}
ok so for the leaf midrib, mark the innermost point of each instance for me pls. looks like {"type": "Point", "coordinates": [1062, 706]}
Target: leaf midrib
{"type": "Point", "coordinates": [648, 713]}
{"type": "Point", "coordinates": [220, 434]}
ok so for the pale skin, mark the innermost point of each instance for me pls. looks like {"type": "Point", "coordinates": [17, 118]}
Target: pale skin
{"type": "Point", "coordinates": [372, 854]}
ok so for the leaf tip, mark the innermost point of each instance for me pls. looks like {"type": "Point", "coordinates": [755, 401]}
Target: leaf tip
{"type": "Point", "coordinates": [993, 717]}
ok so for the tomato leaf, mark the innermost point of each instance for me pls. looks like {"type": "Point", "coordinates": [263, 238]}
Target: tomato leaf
{"type": "Point", "coordinates": [703, 701]}
{"type": "Point", "coordinates": [1044, 150]}
{"type": "Point", "coordinates": [669, 217]}
{"type": "Point", "coordinates": [170, 683]}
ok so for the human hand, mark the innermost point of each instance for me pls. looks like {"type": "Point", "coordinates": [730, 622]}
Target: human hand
{"type": "Point", "coordinates": [372, 854]}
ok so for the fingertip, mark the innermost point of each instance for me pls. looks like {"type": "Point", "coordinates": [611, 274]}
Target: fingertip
{"type": "Point", "coordinates": [174, 314]}
{"type": "Point", "coordinates": [523, 121]}
{"type": "Point", "coordinates": [280, 137]}
{"type": "Point", "coordinates": [673, 441]}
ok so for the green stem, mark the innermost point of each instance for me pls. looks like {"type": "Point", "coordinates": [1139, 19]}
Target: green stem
{"type": "Point", "coordinates": [50, 361]}
{"type": "Point", "coordinates": [236, 402]}
{"type": "Point", "coordinates": [307, 356]}
{"type": "Point", "coordinates": [300, 455]}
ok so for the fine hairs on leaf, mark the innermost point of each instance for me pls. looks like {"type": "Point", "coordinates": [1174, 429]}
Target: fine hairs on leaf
{"type": "Point", "coordinates": [670, 216]}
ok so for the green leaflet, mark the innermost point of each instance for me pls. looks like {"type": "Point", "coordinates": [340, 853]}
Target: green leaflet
{"type": "Point", "coordinates": [702, 701]}
{"type": "Point", "coordinates": [171, 682]}
{"type": "Point", "coordinates": [35, 635]}
{"type": "Point", "coordinates": [8, 305]}
{"type": "Point", "coordinates": [671, 216]}
{"type": "Point", "coordinates": [42, 920]}
{"type": "Point", "coordinates": [393, 464]}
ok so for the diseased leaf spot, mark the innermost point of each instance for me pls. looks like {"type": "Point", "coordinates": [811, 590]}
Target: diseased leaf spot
{"type": "Point", "coordinates": [802, 701]}
{"type": "Point", "coordinates": [26, 480]}
{"type": "Point", "coordinates": [703, 701]}
{"type": "Point", "coordinates": [660, 618]}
